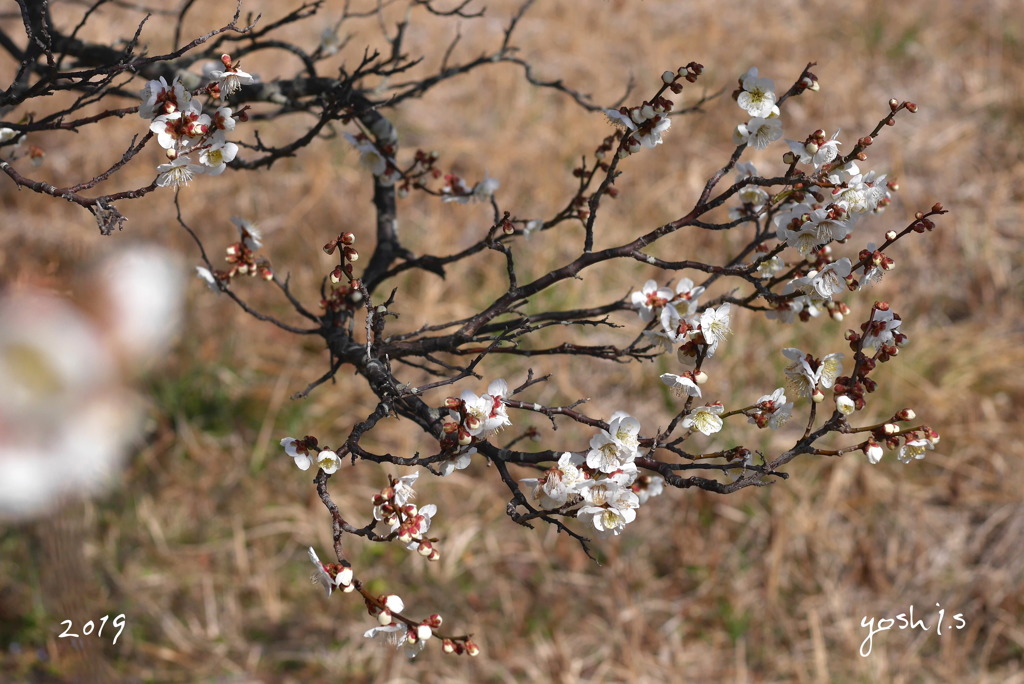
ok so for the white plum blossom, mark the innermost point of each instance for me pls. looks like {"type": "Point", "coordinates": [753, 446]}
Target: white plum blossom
{"type": "Point", "coordinates": [914, 449]}
{"type": "Point", "coordinates": [160, 98]}
{"type": "Point", "coordinates": [328, 461]}
{"type": "Point", "coordinates": [615, 447]}
{"type": "Point", "coordinates": [611, 505]}
{"type": "Point", "coordinates": [487, 411]}
{"type": "Point", "coordinates": [231, 78]}
{"type": "Point", "coordinates": [646, 124]}
{"type": "Point", "coordinates": [682, 384]}
{"type": "Point", "coordinates": [773, 410]}
{"type": "Point", "coordinates": [457, 191]}
{"type": "Point", "coordinates": [818, 155]}
{"type": "Point", "coordinates": [806, 373]}
{"type": "Point", "coordinates": [757, 96]}
{"type": "Point", "coordinates": [882, 329]}
{"type": "Point", "coordinates": [248, 233]}
{"type": "Point", "coordinates": [652, 300]}
{"type": "Point", "coordinates": [177, 173]}
{"type": "Point", "coordinates": [207, 276]}
{"type": "Point", "coordinates": [460, 461]}
{"type": "Point", "coordinates": [372, 159]}
{"type": "Point", "coordinates": [298, 450]}
{"type": "Point", "coordinates": [758, 132]}
{"type": "Point", "coordinates": [714, 326]}
{"type": "Point", "coordinates": [652, 136]}
{"type": "Point", "coordinates": [223, 120]}
{"type": "Point", "coordinates": [322, 577]}
{"type": "Point", "coordinates": [862, 193]}
{"type": "Point", "coordinates": [396, 635]}
{"type": "Point", "coordinates": [687, 293]}
{"type": "Point", "coordinates": [705, 419]}
{"type": "Point", "coordinates": [552, 490]}
{"type": "Point", "coordinates": [217, 155]}
{"type": "Point", "coordinates": [647, 486]}
{"type": "Point", "coordinates": [769, 267]}
{"type": "Point", "coordinates": [831, 279]}
{"type": "Point", "coordinates": [483, 190]}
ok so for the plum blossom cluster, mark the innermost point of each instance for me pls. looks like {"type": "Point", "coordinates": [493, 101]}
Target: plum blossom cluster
{"type": "Point", "coordinates": [393, 506]}
{"type": "Point", "coordinates": [194, 142]}
{"type": "Point", "coordinates": [756, 96]}
{"type": "Point", "coordinates": [393, 627]}
{"type": "Point", "coordinates": [408, 523]}
{"type": "Point", "coordinates": [909, 446]}
{"type": "Point", "coordinates": [604, 484]}
{"type": "Point", "coordinates": [472, 418]}
{"type": "Point", "coordinates": [644, 125]}
{"type": "Point", "coordinates": [241, 257]}
{"type": "Point", "coordinates": [695, 334]}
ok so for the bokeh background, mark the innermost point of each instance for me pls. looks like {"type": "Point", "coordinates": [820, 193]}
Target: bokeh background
{"type": "Point", "coordinates": [202, 542]}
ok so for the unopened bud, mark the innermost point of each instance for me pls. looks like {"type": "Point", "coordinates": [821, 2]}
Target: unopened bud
{"type": "Point", "coordinates": [891, 429]}
{"type": "Point", "coordinates": [906, 414]}
{"type": "Point", "coordinates": [873, 450]}
{"type": "Point", "coordinates": [423, 632]}
{"type": "Point", "coordinates": [818, 396]}
{"type": "Point", "coordinates": [894, 104]}
{"type": "Point", "coordinates": [345, 577]}
{"type": "Point", "coordinates": [700, 377]}
{"type": "Point", "coordinates": [384, 618]}
{"type": "Point", "coordinates": [891, 235]}
{"type": "Point", "coordinates": [448, 646]}
{"type": "Point", "coordinates": [472, 649]}
{"type": "Point", "coordinates": [668, 77]}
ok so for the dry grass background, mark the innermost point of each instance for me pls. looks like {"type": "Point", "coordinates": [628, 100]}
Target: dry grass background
{"type": "Point", "coordinates": [202, 547]}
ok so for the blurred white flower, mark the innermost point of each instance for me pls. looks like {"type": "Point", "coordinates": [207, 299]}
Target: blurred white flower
{"type": "Point", "coordinates": [67, 416]}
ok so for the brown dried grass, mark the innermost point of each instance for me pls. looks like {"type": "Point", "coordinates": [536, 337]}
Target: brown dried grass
{"type": "Point", "coordinates": [203, 545]}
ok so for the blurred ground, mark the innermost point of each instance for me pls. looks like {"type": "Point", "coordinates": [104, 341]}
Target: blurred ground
{"type": "Point", "coordinates": [203, 545]}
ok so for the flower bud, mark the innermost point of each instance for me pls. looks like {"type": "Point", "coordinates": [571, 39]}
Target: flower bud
{"type": "Point", "coordinates": [472, 649]}
{"type": "Point", "coordinates": [384, 618]}
{"type": "Point", "coordinates": [818, 396]}
{"type": "Point", "coordinates": [345, 577]}
{"type": "Point", "coordinates": [423, 632]}
{"type": "Point", "coordinates": [873, 450]}
{"type": "Point", "coordinates": [906, 414]}
{"type": "Point", "coordinates": [891, 235]}
{"type": "Point", "coordinates": [448, 646]}
{"type": "Point", "coordinates": [668, 77]}
{"type": "Point", "coordinates": [700, 377]}
{"type": "Point", "coordinates": [890, 428]}
{"type": "Point", "coordinates": [394, 603]}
